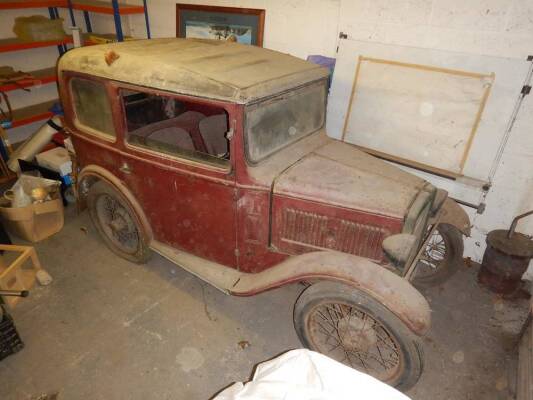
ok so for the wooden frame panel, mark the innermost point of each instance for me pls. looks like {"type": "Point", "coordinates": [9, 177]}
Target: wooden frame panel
{"type": "Point", "coordinates": [427, 68]}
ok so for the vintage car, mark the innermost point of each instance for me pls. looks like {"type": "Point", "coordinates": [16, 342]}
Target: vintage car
{"type": "Point", "coordinates": [215, 156]}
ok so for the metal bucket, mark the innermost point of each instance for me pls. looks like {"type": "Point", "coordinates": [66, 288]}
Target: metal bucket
{"type": "Point", "coordinates": [506, 259]}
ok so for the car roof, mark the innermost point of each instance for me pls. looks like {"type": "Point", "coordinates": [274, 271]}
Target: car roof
{"type": "Point", "coordinates": [207, 68]}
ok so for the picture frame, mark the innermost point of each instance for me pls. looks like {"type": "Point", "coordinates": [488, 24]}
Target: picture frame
{"type": "Point", "coordinates": [241, 25]}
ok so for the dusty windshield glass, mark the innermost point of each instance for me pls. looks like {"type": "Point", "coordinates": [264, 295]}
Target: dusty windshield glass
{"type": "Point", "coordinates": [275, 123]}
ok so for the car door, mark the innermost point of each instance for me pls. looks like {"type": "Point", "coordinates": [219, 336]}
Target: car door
{"type": "Point", "coordinates": [176, 161]}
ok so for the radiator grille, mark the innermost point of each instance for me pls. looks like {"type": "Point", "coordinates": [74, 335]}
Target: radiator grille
{"type": "Point", "coordinates": [316, 230]}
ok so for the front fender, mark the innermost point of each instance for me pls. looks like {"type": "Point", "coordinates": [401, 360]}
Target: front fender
{"type": "Point", "coordinates": [453, 214]}
{"type": "Point", "coordinates": [395, 293]}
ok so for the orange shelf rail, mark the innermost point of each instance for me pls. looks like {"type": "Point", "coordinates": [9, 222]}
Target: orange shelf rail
{"type": "Point", "coordinates": [16, 4]}
{"type": "Point", "coordinates": [97, 6]}
{"type": "Point", "coordinates": [33, 113]}
{"type": "Point", "coordinates": [40, 77]}
{"type": "Point", "coordinates": [14, 44]}
{"type": "Point", "coordinates": [105, 7]}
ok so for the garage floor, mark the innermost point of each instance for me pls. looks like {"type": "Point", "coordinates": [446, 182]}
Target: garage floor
{"type": "Point", "coordinates": [108, 329]}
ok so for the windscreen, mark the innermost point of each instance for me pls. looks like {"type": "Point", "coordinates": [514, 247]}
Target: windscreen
{"type": "Point", "coordinates": [275, 123]}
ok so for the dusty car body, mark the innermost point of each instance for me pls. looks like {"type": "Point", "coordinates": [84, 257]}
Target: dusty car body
{"type": "Point", "coordinates": [214, 155]}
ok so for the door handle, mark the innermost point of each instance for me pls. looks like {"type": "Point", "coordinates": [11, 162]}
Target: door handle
{"type": "Point", "coordinates": [125, 168]}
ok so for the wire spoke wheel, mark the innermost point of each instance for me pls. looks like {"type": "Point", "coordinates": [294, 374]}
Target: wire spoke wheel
{"type": "Point", "coordinates": [353, 337]}
{"type": "Point", "coordinates": [352, 327]}
{"type": "Point", "coordinates": [441, 257]}
{"type": "Point", "coordinates": [116, 222]}
{"type": "Point", "coordinates": [433, 256]}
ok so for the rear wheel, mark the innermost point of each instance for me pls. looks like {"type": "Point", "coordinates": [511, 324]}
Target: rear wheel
{"type": "Point", "coordinates": [116, 222]}
{"type": "Point", "coordinates": [351, 327]}
{"type": "Point", "coordinates": [441, 258]}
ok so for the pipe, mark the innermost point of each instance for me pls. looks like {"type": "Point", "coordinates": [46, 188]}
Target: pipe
{"type": "Point", "coordinates": [515, 222]}
{"type": "Point", "coordinates": [16, 293]}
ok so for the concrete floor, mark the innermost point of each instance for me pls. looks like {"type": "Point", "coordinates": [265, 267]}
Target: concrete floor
{"type": "Point", "coordinates": [109, 329]}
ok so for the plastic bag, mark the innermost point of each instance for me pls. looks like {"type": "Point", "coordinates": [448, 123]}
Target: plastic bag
{"type": "Point", "coordinates": [304, 374]}
{"type": "Point", "coordinates": [38, 28]}
{"type": "Point", "coordinates": [29, 189]}
{"type": "Point", "coordinates": [20, 198]}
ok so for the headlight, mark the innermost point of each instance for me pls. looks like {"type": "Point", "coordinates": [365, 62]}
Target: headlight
{"type": "Point", "coordinates": [401, 248]}
{"type": "Point", "coordinates": [398, 248]}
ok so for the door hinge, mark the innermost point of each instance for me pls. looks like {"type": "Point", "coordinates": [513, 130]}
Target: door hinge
{"type": "Point", "coordinates": [343, 35]}
{"type": "Point", "coordinates": [526, 89]}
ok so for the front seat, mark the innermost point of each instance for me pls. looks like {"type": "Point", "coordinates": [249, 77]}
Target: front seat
{"type": "Point", "coordinates": [213, 130]}
{"type": "Point", "coordinates": [172, 137]}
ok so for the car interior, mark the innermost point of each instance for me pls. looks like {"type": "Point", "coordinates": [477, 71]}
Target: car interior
{"type": "Point", "coordinates": [175, 127]}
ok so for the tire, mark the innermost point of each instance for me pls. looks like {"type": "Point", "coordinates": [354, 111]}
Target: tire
{"type": "Point", "coordinates": [387, 349]}
{"type": "Point", "coordinates": [117, 223]}
{"type": "Point", "coordinates": [435, 268]}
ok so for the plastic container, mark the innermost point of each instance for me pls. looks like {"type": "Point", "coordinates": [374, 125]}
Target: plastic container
{"type": "Point", "coordinates": [10, 341]}
{"type": "Point", "coordinates": [38, 28]}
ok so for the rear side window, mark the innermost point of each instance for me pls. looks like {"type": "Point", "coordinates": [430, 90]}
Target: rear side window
{"type": "Point", "coordinates": [92, 106]}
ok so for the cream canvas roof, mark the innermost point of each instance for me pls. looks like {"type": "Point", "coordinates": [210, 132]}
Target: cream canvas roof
{"type": "Point", "coordinates": [207, 68]}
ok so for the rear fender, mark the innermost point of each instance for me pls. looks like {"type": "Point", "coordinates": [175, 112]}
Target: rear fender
{"type": "Point", "coordinates": [395, 293]}
{"type": "Point", "coordinates": [92, 174]}
{"type": "Point", "coordinates": [453, 214]}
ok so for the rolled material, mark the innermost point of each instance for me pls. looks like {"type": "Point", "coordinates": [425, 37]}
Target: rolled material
{"type": "Point", "coordinates": [35, 143]}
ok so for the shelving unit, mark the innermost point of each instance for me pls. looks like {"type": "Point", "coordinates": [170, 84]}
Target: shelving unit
{"type": "Point", "coordinates": [40, 77]}
{"type": "Point", "coordinates": [106, 7]}
{"type": "Point", "coordinates": [109, 7]}
{"type": "Point", "coordinates": [41, 111]}
{"type": "Point", "coordinates": [14, 44]}
{"type": "Point", "coordinates": [35, 112]}
{"type": "Point", "coordinates": [18, 4]}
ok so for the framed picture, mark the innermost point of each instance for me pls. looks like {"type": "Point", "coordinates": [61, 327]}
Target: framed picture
{"type": "Point", "coordinates": [242, 25]}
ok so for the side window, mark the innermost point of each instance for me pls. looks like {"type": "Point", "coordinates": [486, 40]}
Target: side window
{"type": "Point", "coordinates": [178, 128]}
{"type": "Point", "coordinates": [92, 106]}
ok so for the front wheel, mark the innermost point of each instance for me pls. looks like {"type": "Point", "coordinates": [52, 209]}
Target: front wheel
{"type": "Point", "coordinates": [441, 258]}
{"type": "Point", "coordinates": [351, 327]}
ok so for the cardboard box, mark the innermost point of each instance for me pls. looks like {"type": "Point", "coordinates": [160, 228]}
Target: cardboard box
{"type": "Point", "coordinates": [36, 221]}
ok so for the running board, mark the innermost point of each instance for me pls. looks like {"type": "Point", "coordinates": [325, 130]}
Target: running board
{"type": "Point", "coordinates": [218, 275]}
{"type": "Point", "coordinates": [394, 292]}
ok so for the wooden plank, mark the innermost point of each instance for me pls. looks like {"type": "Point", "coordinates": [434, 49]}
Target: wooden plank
{"type": "Point", "coordinates": [41, 77]}
{"type": "Point", "coordinates": [410, 163]}
{"type": "Point", "coordinates": [105, 7]}
{"type": "Point", "coordinates": [33, 113]}
{"type": "Point", "coordinates": [17, 4]}
{"type": "Point", "coordinates": [15, 44]}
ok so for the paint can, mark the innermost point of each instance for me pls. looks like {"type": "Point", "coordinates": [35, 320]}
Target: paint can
{"type": "Point", "coordinates": [506, 259]}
